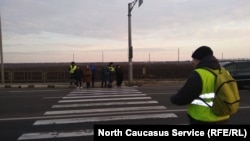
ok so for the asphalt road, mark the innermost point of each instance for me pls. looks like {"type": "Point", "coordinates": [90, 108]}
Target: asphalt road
{"type": "Point", "coordinates": [66, 114]}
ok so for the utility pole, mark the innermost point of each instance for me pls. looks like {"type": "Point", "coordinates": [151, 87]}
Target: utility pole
{"type": "Point", "coordinates": [130, 47]}
{"type": "Point", "coordinates": [149, 58]}
{"type": "Point", "coordinates": [178, 55]}
{"type": "Point", "coordinates": [1, 52]}
{"type": "Point", "coordinates": [102, 57]}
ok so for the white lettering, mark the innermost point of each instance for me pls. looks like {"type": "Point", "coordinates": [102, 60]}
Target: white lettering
{"type": "Point", "coordinates": [130, 132]}
{"type": "Point", "coordinates": [115, 132]}
{"type": "Point", "coordinates": [175, 132]}
{"type": "Point", "coordinates": [226, 132]}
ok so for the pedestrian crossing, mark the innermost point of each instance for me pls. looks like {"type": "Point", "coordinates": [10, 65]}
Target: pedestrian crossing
{"type": "Point", "coordinates": [75, 114]}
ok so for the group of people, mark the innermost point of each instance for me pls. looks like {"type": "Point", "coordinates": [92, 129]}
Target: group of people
{"type": "Point", "coordinates": [79, 75]}
{"type": "Point", "coordinates": [198, 84]}
{"type": "Point", "coordinates": [108, 75]}
{"type": "Point", "coordinates": [111, 73]}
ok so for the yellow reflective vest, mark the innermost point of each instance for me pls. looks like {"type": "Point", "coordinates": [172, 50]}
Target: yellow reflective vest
{"type": "Point", "coordinates": [72, 69]}
{"type": "Point", "coordinates": [111, 69]}
{"type": "Point", "coordinates": [200, 110]}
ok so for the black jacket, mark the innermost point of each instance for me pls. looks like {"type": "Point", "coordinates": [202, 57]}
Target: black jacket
{"type": "Point", "coordinates": [193, 86]}
{"type": "Point", "coordinates": [78, 74]}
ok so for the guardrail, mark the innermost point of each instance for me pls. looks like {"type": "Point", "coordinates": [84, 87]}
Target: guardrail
{"type": "Point", "coordinates": [36, 76]}
{"type": "Point", "coordinates": [63, 76]}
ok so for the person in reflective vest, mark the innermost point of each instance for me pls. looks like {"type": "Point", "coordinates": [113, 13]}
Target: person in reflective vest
{"type": "Point", "coordinates": [200, 83]}
{"type": "Point", "coordinates": [72, 69]}
{"type": "Point", "coordinates": [111, 73]}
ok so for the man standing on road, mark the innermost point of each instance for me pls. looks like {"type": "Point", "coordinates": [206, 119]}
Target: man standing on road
{"type": "Point", "coordinates": [200, 83]}
{"type": "Point", "coordinates": [93, 70]}
{"type": "Point", "coordinates": [72, 69]}
{"type": "Point", "coordinates": [88, 76]}
{"type": "Point", "coordinates": [111, 73]}
{"type": "Point", "coordinates": [78, 77]}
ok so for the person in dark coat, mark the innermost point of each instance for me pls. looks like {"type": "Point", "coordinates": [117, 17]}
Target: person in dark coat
{"type": "Point", "coordinates": [119, 75]}
{"type": "Point", "coordinates": [78, 77]}
{"type": "Point", "coordinates": [104, 77]}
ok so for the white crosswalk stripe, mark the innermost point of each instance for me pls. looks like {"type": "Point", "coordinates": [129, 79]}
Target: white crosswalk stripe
{"type": "Point", "coordinates": [48, 135]}
{"type": "Point", "coordinates": [108, 118]}
{"type": "Point", "coordinates": [97, 105]}
{"type": "Point", "coordinates": [104, 110]}
{"type": "Point", "coordinates": [102, 99]}
{"type": "Point", "coordinates": [105, 104]}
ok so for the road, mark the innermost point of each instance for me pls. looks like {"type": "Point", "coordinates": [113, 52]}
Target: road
{"type": "Point", "coordinates": [64, 114]}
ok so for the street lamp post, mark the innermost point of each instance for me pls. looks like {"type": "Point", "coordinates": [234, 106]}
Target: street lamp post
{"type": "Point", "coordinates": [1, 53]}
{"type": "Point", "coordinates": [130, 47]}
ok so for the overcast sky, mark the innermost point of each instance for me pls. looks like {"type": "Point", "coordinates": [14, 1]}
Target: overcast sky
{"type": "Point", "coordinates": [97, 30]}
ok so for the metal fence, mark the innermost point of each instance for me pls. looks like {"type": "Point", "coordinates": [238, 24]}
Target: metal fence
{"type": "Point", "coordinates": [63, 76]}
{"type": "Point", "coordinates": [44, 73]}
{"type": "Point", "coordinates": [36, 76]}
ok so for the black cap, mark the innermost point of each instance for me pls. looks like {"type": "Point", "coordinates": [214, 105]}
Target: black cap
{"type": "Point", "coordinates": [202, 52]}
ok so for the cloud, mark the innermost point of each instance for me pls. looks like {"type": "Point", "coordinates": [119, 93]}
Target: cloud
{"type": "Point", "coordinates": [97, 25]}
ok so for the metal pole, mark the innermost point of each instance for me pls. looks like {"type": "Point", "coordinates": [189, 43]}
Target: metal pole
{"type": "Point", "coordinates": [1, 52]}
{"type": "Point", "coordinates": [178, 55]}
{"type": "Point", "coordinates": [102, 57]}
{"type": "Point", "coordinates": [130, 49]}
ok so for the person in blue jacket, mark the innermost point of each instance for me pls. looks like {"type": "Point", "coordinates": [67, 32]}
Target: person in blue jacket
{"type": "Point", "coordinates": [93, 71]}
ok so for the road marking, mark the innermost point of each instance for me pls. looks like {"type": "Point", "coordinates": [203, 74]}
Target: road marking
{"type": "Point", "coordinates": [101, 93]}
{"type": "Point", "coordinates": [167, 93]}
{"type": "Point", "coordinates": [86, 132]}
{"type": "Point", "coordinates": [96, 96]}
{"type": "Point", "coordinates": [77, 96]}
{"type": "Point", "coordinates": [48, 135]}
{"type": "Point", "coordinates": [104, 110]}
{"type": "Point", "coordinates": [104, 99]}
{"type": "Point", "coordinates": [84, 115]}
{"type": "Point", "coordinates": [122, 90]}
{"type": "Point", "coordinates": [104, 118]}
{"type": "Point", "coordinates": [104, 104]}
{"type": "Point", "coordinates": [97, 115]}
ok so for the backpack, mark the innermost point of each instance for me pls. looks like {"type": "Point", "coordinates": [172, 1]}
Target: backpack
{"type": "Point", "coordinates": [227, 98]}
